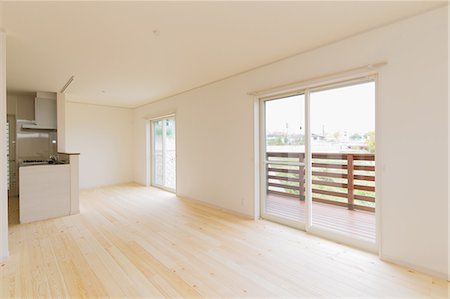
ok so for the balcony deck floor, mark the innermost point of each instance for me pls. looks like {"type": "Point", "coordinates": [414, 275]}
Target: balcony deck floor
{"type": "Point", "coordinates": [356, 223]}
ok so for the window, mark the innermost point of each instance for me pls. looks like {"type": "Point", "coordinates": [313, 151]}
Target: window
{"type": "Point", "coordinates": [164, 153]}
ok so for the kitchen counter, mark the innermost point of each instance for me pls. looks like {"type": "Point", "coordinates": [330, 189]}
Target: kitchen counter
{"type": "Point", "coordinates": [64, 153]}
{"type": "Point", "coordinates": [41, 164]}
{"type": "Point", "coordinates": [48, 190]}
{"type": "Point", "coordinates": [44, 192]}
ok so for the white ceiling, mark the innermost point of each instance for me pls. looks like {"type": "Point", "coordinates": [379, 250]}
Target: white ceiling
{"type": "Point", "coordinates": [117, 59]}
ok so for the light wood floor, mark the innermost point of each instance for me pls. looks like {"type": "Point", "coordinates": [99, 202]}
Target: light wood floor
{"type": "Point", "coordinates": [131, 241]}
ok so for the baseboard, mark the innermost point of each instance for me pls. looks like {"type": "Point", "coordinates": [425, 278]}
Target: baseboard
{"type": "Point", "coordinates": [216, 207]}
{"type": "Point", "coordinates": [130, 183]}
{"type": "Point", "coordinates": [416, 268]}
{"type": "Point", "coordinates": [204, 203]}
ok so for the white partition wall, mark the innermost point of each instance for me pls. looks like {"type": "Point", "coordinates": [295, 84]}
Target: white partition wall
{"type": "Point", "coordinates": [61, 120]}
{"type": "Point", "coordinates": [103, 137]}
{"type": "Point", "coordinates": [3, 179]}
{"type": "Point", "coordinates": [448, 121]}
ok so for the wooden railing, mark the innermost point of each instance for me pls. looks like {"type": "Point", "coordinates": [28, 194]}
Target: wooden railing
{"type": "Point", "coordinates": [342, 179]}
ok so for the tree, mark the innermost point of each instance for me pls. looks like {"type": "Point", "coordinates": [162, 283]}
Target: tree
{"type": "Point", "coordinates": [370, 142]}
{"type": "Point", "coordinates": [356, 136]}
{"type": "Point", "coordinates": [337, 135]}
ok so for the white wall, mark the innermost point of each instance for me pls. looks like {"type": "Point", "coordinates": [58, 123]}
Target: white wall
{"type": "Point", "coordinates": [3, 161]}
{"type": "Point", "coordinates": [103, 136]}
{"type": "Point", "coordinates": [61, 121]}
{"type": "Point", "coordinates": [448, 120]}
{"type": "Point", "coordinates": [216, 133]}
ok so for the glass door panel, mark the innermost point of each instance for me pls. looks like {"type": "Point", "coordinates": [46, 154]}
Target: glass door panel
{"type": "Point", "coordinates": [157, 155]}
{"type": "Point", "coordinates": [284, 157]}
{"type": "Point", "coordinates": [163, 153]}
{"type": "Point", "coordinates": [342, 125]}
{"type": "Point", "coordinates": [169, 153]}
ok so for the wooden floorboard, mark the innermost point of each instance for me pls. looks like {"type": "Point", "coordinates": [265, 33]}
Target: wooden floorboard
{"type": "Point", "coordinates": [132, 241]}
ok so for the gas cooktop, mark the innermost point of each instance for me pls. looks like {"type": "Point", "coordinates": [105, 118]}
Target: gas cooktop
{"type": "Point", "coordinates": [34, 161]}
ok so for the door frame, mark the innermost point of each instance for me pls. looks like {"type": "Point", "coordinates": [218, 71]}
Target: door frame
{"type": "Point", "coordinates": [152, 158]}
{"type": "Point", "coordinates": [371, 76]}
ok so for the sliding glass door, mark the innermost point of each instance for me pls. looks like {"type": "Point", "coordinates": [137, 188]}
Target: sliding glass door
{"type": "Point", "coordinates": [343, 160]}
{"type": "Point", "coordinates": [284, 160]}
{"type": "Point", "coordinates": [164, 153]}
{"type": "Point", "coordinates": [318, 160]}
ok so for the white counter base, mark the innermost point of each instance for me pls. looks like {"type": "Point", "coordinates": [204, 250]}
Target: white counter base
{"type": "Point", "coordinates": [45, 192]}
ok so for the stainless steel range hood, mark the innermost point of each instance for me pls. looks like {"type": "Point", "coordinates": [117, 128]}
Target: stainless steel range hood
{"type": "Point", "coordinates": [45, 112]}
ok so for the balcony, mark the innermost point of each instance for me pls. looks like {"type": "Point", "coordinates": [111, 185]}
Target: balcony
{"type": "Point", "coordinates": [343, 190]}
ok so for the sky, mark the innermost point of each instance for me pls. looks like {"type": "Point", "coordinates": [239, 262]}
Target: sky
{"type": "Point", "coordinates": [346, 109]}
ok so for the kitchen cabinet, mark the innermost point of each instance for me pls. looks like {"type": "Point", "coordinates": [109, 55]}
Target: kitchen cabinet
{"type": "Point", "coordinates": [38, 108]}
{"type": "Point", "coordinates": [11, 104]}
{"type": "Point", "coordinates": [45, 113]}
{"type": "Point", "coordinates": [21, 105]}
{"type": "Point", "coordinates": [25, 107]}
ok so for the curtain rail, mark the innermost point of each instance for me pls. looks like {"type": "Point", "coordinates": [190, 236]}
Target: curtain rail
{"type": "Point", "coordinates": [318, 80]}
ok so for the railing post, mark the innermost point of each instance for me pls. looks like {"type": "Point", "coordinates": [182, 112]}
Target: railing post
{"type": "Point", "coordinates": [301, 176]}
{"type": "Point", "coordinates": [350, 181]}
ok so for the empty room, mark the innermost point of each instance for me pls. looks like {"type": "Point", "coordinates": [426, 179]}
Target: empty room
{"type": "Point", "coordinates": [224, 149]}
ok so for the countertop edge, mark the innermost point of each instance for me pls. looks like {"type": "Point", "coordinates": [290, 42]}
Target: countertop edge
{"type": "Point", "coordinates": [46, 165]}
